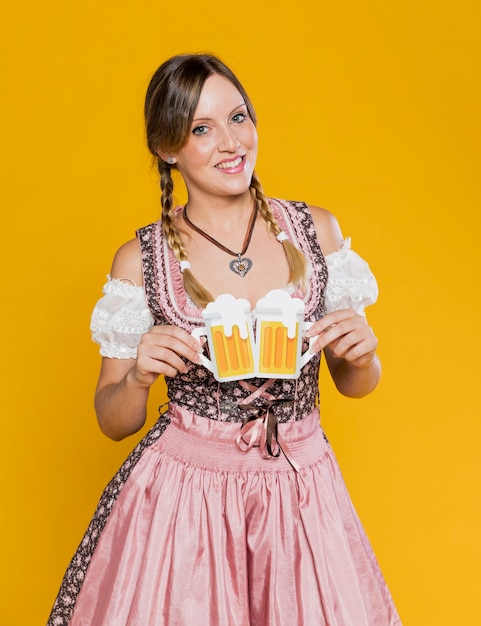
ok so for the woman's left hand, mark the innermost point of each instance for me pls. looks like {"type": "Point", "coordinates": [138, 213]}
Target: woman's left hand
{"type": "Point", "coordinates": [346, 335]}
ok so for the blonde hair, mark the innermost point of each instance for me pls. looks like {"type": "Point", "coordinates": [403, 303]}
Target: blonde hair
{"type": "Point", "coordinates": [171, 100]}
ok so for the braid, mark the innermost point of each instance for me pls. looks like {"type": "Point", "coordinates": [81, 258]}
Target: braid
{"type": "Point", "coordinates": [296, 260]}
{"type": "Point", "coordinates": [168, 224]}
{"type": "Point", "coordinates": [263, 206]}
{"type": "Point", "coordinates": [196, 291]}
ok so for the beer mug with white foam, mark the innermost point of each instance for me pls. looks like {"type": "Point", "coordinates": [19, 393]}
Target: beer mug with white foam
{"type": "Point", "coordinates": [279, 332]}
{"type": "Point", "coordinates": [228, 328]}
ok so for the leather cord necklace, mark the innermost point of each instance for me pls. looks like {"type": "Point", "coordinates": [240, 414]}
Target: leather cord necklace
{"type": "Point", "coordinates": [241, 265]}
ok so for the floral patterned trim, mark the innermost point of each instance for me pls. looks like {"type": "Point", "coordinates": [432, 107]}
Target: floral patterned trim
{"type": "Point", "coordinates": [299, 222]}
{"type": "Point", "coordinates": [163, 281]}
{"type": "Point", "coordinates": [72, 582]}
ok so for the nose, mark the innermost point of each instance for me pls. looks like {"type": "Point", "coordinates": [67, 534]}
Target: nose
{"type": "Point", "coordinates": [228, 141]}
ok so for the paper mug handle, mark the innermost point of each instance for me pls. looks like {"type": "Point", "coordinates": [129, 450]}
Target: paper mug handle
{"type": "Point", "coordinates": [197, 333]}
{"type": "Point", "coordinates": [307, 356]}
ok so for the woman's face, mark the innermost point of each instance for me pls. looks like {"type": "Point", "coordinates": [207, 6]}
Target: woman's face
{"type": "Point", "coordinates": [219, 157]}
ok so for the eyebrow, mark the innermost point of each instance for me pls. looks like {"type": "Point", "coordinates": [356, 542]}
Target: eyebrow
{"type": "Point", "coordinates": [208, 119]}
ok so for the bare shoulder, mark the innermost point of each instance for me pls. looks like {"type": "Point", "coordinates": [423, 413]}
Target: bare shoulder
{"type": "Point", "coordinates": [127, 263]}
{"type": "Point", "coordinates": [327, 228]}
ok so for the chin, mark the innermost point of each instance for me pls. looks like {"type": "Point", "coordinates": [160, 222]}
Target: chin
{"type": "Point", "coordinates": [237, 189]}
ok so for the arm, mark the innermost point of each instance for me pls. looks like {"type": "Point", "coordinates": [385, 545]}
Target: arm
{"type": "Point", "coordinates": [124, 384]}
{"type": "Point", "coordinates": [348, 341]}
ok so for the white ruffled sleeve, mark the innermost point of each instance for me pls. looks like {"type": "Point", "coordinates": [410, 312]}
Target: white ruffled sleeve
{"type": "Point", "coordinates": [119, 319]}
{"type": "Point", "coordinates": [350, 282]}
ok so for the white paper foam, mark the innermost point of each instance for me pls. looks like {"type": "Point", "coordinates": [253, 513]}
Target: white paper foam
{"type": "Point", "coordinates": [279, 302]}
{"type": "Point", "coordinates": [230, 312]}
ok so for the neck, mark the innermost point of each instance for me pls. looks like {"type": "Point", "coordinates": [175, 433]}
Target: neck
{"type": "Point", "coordinates": [221, 214]}
{"type": "Point", "coordinates": [242, 265]}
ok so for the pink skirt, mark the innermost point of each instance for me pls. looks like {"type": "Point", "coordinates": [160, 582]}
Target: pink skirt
{"type": "Point", "coordinates": [203, 534]}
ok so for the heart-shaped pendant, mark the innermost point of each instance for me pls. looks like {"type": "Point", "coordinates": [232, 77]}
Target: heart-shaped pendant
{"type": "Point", "coordinates": [241, 266]}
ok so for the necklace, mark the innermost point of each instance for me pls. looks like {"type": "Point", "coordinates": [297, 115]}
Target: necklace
{"type": "Point", "coordinates": [241, 265]}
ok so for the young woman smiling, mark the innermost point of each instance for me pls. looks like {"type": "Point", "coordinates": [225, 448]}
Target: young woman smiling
{"type": "Point", "coordinates": [232, 510]}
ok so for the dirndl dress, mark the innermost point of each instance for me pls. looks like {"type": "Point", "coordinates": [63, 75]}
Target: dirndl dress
{"type": "Point", "coordinates": [201, 525]}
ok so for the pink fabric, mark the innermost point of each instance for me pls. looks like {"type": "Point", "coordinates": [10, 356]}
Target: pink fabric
{"type": "Point", "coordinates": [204, 534]}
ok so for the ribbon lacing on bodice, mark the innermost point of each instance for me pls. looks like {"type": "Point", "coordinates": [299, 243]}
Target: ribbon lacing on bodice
{"type": "Point", "coordinates": [261, 429]}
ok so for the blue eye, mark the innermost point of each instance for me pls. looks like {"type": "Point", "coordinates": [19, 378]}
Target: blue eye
{"type": "Point", "coordinates": [239, 118]}
{"type": "Point", "coordinates": [199, 130]}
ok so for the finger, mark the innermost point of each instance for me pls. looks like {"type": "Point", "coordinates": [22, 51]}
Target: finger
{"type": "Point", "coordinates": [172, 339]}
{"type": "Point", "coordinates": [158, 357]}
{"type": "Point", "coordinates": [355, 345]}
{"type": "Point", "coordinates": [148, 370]}
{"type": "Point", "coordinates": [179, 334]}
{"type": "Point", "coordinates": [331, 320]}
{"type": "Point", "coordinates": [333, 333]}
{"type": "Point", "coordinates": [342, 336]}
{"type": "Point", "coordinates": [360, 355]}
{"type": "Point", "coordinates": [160, 361]}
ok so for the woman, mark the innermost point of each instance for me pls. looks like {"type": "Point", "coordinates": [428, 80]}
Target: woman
{"type": "Point", "coordinates": [198, 527]}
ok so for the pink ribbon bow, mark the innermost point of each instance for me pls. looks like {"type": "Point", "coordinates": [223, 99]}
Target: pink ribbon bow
{"type": "Point", "coordinates": [261, 429]}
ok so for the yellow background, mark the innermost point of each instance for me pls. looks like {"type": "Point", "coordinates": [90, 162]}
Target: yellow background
{"type": "Point", "coordinates": [370, 109]}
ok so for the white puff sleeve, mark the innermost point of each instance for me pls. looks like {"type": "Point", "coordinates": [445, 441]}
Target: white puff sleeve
{"type": "Point", "coordinates": [350, 281]}
{"type": "Point", "coordinates": [119, 319]}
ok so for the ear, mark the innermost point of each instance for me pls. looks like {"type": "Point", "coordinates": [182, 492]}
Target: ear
{"type": "Point", "coordinates": [168, 158]}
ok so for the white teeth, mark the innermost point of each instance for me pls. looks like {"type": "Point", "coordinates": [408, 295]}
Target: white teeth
{"type": "Point", "coordinates": [229, 164]}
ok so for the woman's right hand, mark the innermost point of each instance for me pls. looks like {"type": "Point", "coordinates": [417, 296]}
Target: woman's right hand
{"type": "Point", "coordinates": [160, 351]}
{"type": "Point", "coordinates": [124, 384]}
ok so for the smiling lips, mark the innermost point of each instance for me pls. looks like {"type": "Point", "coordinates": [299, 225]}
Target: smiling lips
{"type": "Point", "coordinates": [230, 165]}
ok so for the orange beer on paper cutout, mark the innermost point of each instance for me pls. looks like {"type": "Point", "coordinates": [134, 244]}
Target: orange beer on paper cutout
{"type": "Point", "coordinates": [277, 351]}
{"type": "Point", "coordinates": [228, 328]}
{"type": "Point", "coordinates": [280, 324]}
{"type": "Point", "coordinates": [233, 354]}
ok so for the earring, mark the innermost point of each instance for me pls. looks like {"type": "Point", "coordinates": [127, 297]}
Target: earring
{"type": "Point", "coordinates": [171, 160]}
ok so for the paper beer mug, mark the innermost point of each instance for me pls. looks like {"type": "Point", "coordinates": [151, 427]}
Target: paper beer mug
{"type": "Point", "coordinates": [279, 332]}
{"type": "Point", "coordinates": [228, 328]}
